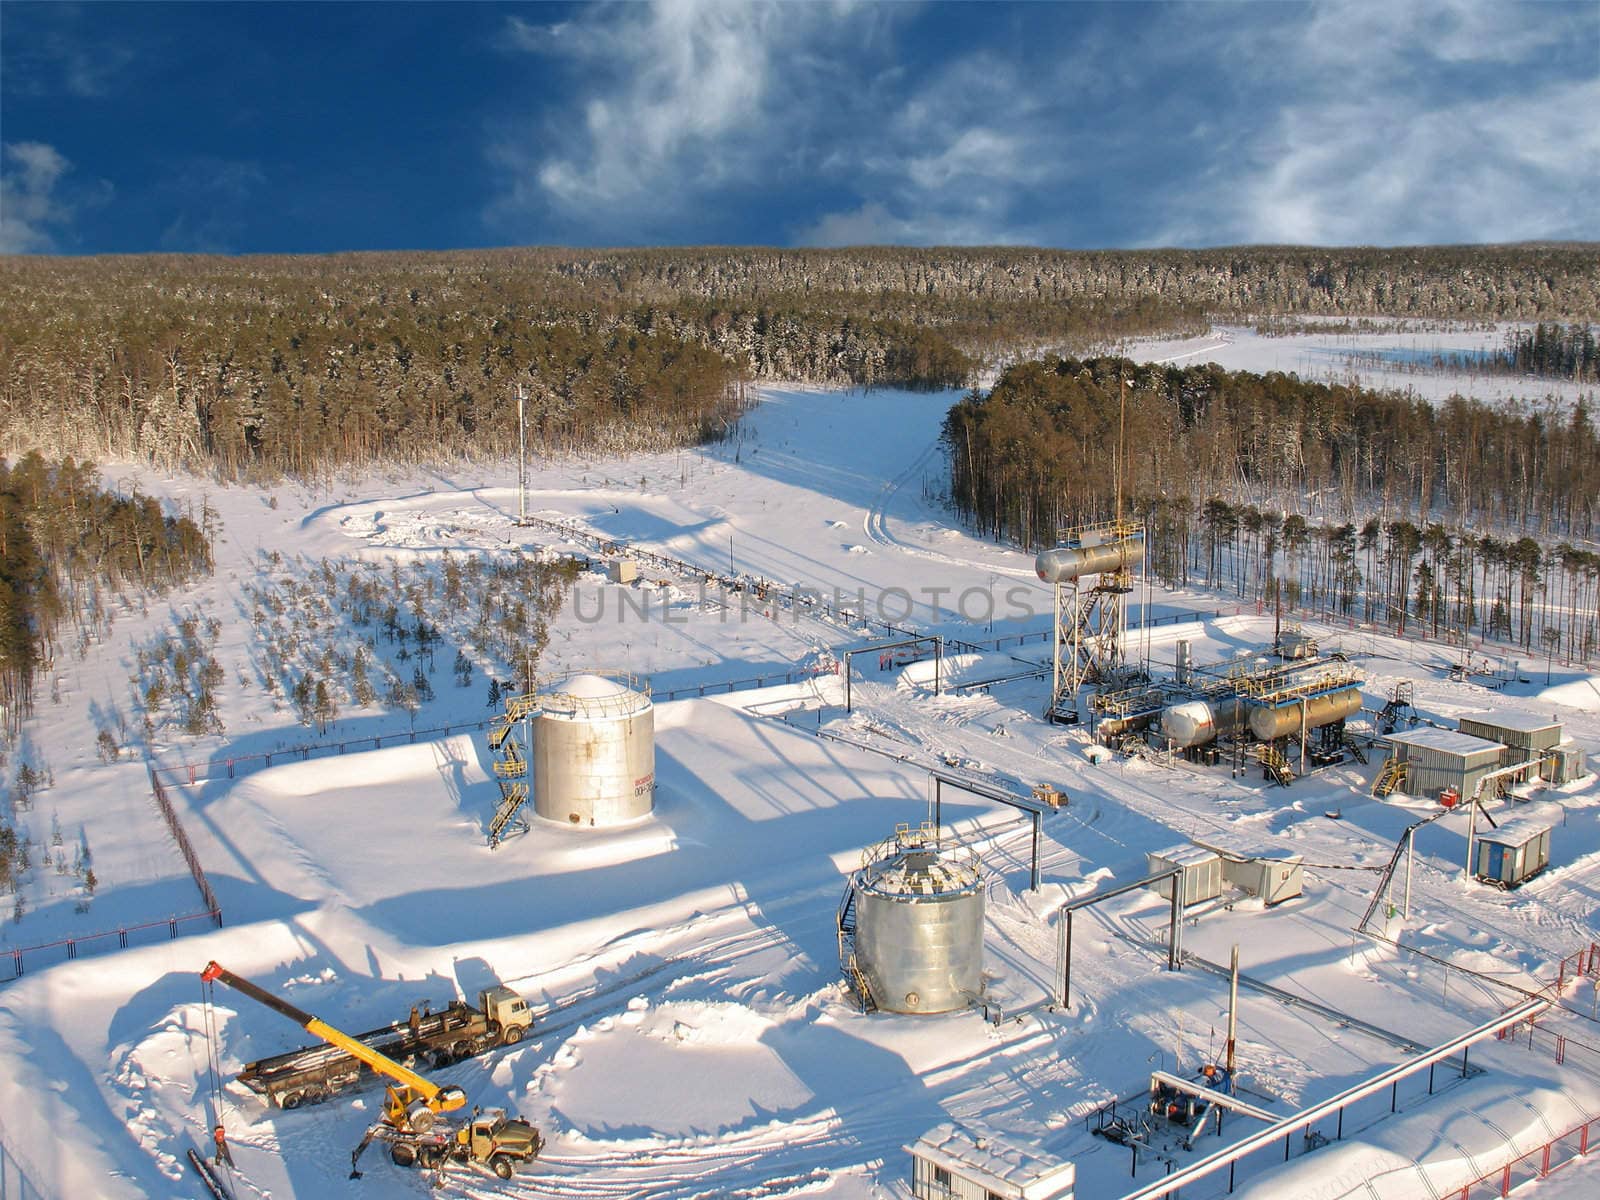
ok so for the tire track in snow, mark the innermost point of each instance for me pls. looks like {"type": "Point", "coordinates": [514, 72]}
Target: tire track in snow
{"type": "Point", "coordinates": [875, 525]}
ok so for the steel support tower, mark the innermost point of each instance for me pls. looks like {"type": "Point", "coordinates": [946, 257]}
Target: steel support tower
{"type": "Point", "coordinates": [1091, 622]}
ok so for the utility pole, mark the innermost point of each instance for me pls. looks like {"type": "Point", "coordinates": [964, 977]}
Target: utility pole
{"type": "Point", "coordinates": [522, 457]}
{"type": "Point", "coordinates": [1122, 449]}
{"type": "Point", "coordinates": [1233, 1003]}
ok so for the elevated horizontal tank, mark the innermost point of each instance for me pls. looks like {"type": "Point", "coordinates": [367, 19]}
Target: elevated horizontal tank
{"type": "Point", "coordinates": [1196, 722]}
{"type": "Point", "coordinates": [594, 752]}
{"type": "Point", "coordinates": [1069, 562]}
{"type": "Point", "coordinates": [919, 928]}
{"type": "Point", "coordinates": [1269, 724]}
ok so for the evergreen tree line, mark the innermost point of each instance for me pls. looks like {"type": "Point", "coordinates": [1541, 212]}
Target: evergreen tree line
{"type": "Point", "coordinates": [268, 367]}
{"type": "Point", "coordinates": [1212, 455]}
{"type": "Point", "coordinates": [1430, 579]}
{"type": "Point", "coordinates": [1550, 350]}
{"type": "Point", "coordinates": [1555, 350]}
{"type": "Point", "coordinates": [279, 365]}
{"type": "Point", "coordinates": [64, 542]}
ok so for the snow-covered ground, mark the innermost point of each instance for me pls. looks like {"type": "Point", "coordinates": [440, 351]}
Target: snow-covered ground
{"type": "Point", "coordinates": [694, 1040]}
{"type": "Point", "coordinates": [1403, 358]}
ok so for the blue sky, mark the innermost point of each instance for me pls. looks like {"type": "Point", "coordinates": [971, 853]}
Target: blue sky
{"type": "Point", "coordinates": [266, 128]}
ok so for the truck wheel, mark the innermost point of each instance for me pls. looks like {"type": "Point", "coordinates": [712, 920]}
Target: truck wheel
{"type": "Point", "coordinates": [462, 1049]}
{"type": "Point", "coordinates": [441, 1058]}
{"type": "Point", "coordinates": [511, 1035]}
{"type": "Point", "coordinates": [291, 1100]}
{"type": "Point", "coordinates": [404, 1154]}
{"type": "Point", "coordinates": [501, 1165]}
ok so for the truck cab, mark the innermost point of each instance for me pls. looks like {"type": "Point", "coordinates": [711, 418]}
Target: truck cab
{"type": "Point", "coordinates": [507, 1010]}
{"type": "Point", "coordinates": [500, 1143]}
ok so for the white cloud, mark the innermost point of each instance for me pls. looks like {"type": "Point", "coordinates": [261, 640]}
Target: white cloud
{"type": "Point", "coordinates": [683, 97]}
{"type": "Point", "coordinates": [1190, 124]}
{"type": "Point", "coordinates": [873, 224]}
{"type": "Point", "coordinates": [29, 172]}
{"type": "Point", "coordinates": [1384, 136]}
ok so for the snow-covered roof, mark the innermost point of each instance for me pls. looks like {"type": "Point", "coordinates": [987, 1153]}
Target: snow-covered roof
{"type": "Point", "coordinates": [1186, 855]}
{"type": "Point", "coordinates": [589, 696]}
{"type": "Point", "coordinates": [1517, 832]}
{"type": "Point", "coordinates": [1521, 722]}
{"type": "Point", "coordinates": [589, 687]}
{"type": "Point", "coordinates": [1450, 741]}
{"type": "Point", "coordinates": [1232, 843]}
{"type": "Point", "coordinates": [1004, 1169]}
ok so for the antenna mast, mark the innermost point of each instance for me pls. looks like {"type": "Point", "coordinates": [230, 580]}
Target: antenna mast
{"type": "Point", "coordinates": [522, 457]}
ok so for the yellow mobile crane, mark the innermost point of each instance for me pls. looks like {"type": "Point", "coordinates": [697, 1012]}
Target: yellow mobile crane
{"type": "Point", "coordinates": [413, 1105]}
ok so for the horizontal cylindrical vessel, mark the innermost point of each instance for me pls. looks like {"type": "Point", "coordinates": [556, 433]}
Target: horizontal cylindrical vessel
{"type": "Point", "coordinates": [1069, 562]}
{"type": "Point", "coordinates": [919, 932]}
{"type": "Point", "coordinates": [1196, 722]}
{"type": "Point", "coordinates": [594, 753]}
{"type": "Point", "coordinates": [1269, 724]}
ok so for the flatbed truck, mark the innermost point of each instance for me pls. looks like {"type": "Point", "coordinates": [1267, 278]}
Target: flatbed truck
{"type": "Point", "coordinates": [313, 1074]}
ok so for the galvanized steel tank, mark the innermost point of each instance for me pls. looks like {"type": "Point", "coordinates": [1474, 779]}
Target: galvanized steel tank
{"type": "Point", "coordinates": [1069, 562]}
{"type": "Point", "coordinates": [919, 927]}
{"type": "Point", "coordinates": [1269, 724]}
{"type": "Point", "coordinates": [594, 752]}
{"type": "Point", "coordinates": [1196, 722]}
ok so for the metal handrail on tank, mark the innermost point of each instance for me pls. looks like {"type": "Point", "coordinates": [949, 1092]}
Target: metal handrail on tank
{"type": "Point", "coordinates": [1286, 686]}
{"type": "Point", "coordinates": [1109, 530]}
{"type": "Point", "coordinates": [622, 704]}
{"type": "Point", "coordinates": [916, 837]}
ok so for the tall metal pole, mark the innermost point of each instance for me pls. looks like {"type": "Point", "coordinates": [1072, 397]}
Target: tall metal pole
{"type": "Point", "coordinates": [1305, 704]}
{"type": "Point", "coordinates": [1066, 959]}
{"type": "Point", "coordinates": [1411, 845]}
{"type": "Point", "coordinates": [1055, 663]}
{"type": "Point", "coordinates": [1033, 884]}
{"type": "Point", "coordinates": [1175, 932]}
{"type": "Point", "coordinates": [1122, 423]}
{"type": "Point", "coordinates": [522, 457]}
{"type": "Point", "coordinates": [1472, 828]}
{"type": "Point", "coordinates": [1233, 1007]}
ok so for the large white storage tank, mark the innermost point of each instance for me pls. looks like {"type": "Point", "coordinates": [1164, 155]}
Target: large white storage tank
{"type": "Point", "coordinates": [594, 752]}
{"type": "Point", "coordinates": [919, 926]}
{"type": "Point", "coordinates": [1196, 722]}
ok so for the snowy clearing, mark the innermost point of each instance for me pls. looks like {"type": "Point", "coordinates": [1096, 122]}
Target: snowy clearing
{"type": "Point", "coordinates": [692, 1036]}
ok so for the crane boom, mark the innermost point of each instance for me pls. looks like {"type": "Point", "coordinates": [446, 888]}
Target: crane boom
{"type": "Point", "coordinates": [414, 1098]}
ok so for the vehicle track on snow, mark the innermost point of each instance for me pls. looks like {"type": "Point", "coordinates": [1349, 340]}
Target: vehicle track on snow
{"type": "Point", "coordinates": [875, 524]}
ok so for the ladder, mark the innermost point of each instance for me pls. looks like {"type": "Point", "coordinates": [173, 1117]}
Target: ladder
{"type": "Point", "coordinates": [1275, 765]}
{"type": "Point", "coordinates": [854, 979]}
{"type": "Point", "coordinates": [513, 765]}
{"type": "Point", "coordinates": [1351, 744]}
{"type": "Point", "coordinates": [517, 707]}
{"type": "Point", "coordinates": [1399, 713]}
{"type": "Point", "coordinates": [1390, 777]}
{"type": "Point", "coordinates": [512, 797]}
